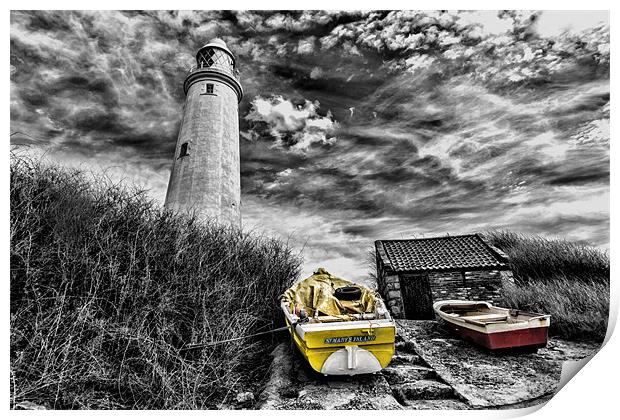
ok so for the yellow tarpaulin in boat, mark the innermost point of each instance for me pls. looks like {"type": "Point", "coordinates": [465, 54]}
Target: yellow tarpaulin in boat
{"type": "Point", "coordinates": [317, 293]}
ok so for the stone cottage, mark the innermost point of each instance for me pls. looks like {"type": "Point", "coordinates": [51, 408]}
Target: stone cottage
{"type": "Point", "coordinates": [412, 274]}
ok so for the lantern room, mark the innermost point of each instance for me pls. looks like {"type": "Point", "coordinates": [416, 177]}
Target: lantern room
{"type": "Point", "coordinates": [214, 61]}
{"type": "Point", "coordinates": [216, 55]}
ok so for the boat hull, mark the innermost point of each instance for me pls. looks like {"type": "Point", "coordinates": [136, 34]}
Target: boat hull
{"type": "Point", "coordinates": [493, 327]}
{"type": "Point", "coordinates": [523, 338]}
{"type": "Point", "coordinates": [326, 354]}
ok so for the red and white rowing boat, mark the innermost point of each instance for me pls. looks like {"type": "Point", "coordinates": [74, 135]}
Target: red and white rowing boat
{"type": "Point", "coordinates": [494, 327]}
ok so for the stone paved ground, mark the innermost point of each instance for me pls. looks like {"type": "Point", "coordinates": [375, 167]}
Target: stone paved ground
{"type": "Point", "coordinates": [407, 383]}
{"type": "Point", "coordinates": [487, 379]}
{"type": "Point", "coordinates": [294, 385]}
{"type": "Point", "coordinates": [430, 370]}
{"type": "Point", "coordinates": [415, 385]}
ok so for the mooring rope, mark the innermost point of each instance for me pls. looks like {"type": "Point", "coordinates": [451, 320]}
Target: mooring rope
{"type": "Point", "coordinates": [214, 343]}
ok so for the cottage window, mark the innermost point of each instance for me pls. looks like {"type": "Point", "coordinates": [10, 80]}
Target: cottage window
{"type": "Point", "coordinates": [210, 88]}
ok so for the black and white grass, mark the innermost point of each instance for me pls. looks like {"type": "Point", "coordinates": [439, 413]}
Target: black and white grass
{"type": "Point", "coordinates": [354, 126]}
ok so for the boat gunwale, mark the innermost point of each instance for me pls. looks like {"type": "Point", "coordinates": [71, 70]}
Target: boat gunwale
{"type": "Point", "coordinates": [301, 329]}
{"type": "Point", "coordinates": [437, 306]}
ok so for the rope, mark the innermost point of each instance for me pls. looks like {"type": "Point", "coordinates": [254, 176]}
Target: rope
{"type": "Point", "coordinates": [215, 343]}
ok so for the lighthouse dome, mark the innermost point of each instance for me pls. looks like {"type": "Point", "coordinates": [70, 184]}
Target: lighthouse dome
{"type": "Point", "coordinates": [218, 43]}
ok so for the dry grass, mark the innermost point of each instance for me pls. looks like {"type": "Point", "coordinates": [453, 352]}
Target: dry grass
{"type": "Point", "coordinates": [538, 258]}
{"type": "Point", "coordinates": [579, 310]}
{"type": "Point", "coordinates": [567, 280]}
{"type": "Point", "coordinates": [106, 288]}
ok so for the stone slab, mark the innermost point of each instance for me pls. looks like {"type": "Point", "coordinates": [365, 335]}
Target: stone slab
{"type": "Point", "coordinates": [424, 389]}
{"type": "Point", "coordinates": [436, 405]}
{"type": "Point", "coordinates": [401, 373]}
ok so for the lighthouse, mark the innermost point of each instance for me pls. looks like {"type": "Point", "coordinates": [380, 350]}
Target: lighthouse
{"type": "Point", "coordinates": [205, 177]}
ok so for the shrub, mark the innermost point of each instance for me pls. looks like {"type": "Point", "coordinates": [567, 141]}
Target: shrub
{"type": "Point", "coordinates": [569, 281]}
{"type": "Point", "coordinates": [107, 287]}
{"type": "Point", "coordinates": [537, 258]}
{"type": "Point", "coordinates": [579, 310]}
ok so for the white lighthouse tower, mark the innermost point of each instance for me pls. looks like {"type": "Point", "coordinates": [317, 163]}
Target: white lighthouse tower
{"type": "Point", "coordinates": [205, 176]}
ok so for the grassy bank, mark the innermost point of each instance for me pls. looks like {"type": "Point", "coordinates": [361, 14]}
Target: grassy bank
{"type": "Point", "coordinates": [106, 289]}
{"type": "Point", "coordinates": [567, 280]}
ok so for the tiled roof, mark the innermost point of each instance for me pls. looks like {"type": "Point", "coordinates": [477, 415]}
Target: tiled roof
{"type": "Point", "coordinates": [442, 253]}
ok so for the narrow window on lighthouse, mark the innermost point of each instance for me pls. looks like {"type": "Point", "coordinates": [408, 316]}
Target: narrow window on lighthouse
{"type": "Point", "coordinates": [207, 89]}
{"type": "Point", "coordinates": [183, 151]}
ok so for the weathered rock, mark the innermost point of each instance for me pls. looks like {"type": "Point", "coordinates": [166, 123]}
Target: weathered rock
{"type": "Point", "coordinates": [399, 374]}
{"type": "Point", "coordinates": [244, 398]}
{"type": "Point", "coordinates": [423, 390]}
{"type": "Point", "coordinates": [393, 294]}
{"type": "Point", "coordinates": [436, 405]}
{"type": "Point", "coordinates": [405, 346]}
{"type": "Point", "coordinates": [28, 405]}
{"type": "Point", "coordinates": [280, 381]}
{"type": "Point", "coordinates": [370, 393]}
{"type": "Point", "coordinates": [406, 359]}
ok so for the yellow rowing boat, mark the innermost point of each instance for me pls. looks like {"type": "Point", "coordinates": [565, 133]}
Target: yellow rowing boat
{"type": "Point", "coordinates": [340, 328]}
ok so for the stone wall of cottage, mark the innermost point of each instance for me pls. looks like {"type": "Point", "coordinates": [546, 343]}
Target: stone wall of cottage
{"type": "Point", "coordinates": [483, 285]}
{"type": "Point", "coordinates": [388, 285]}
{"type": "Point", "coordinates": [392, 296]}
{"type": "Point", "coordinates": [468, 285]}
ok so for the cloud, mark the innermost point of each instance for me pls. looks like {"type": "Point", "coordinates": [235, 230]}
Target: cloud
{"type": "Point", "coordinates": [297, 22]}
{"type": "Point", "coordinates": [306, 46]}
{"type": "Point", "coordinates": [455, 158]}
{"type": "Point", "coordinates": [503, 48]}
{"type": "Point", "coordinates": [316, 73]}
{"type": "Point", "coordinates": [297, 127]}
{"type": "Point", "coordinates": [91, 83]}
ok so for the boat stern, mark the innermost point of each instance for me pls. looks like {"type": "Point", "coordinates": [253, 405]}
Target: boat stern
{"type": "Point", "coordinates": [350, 348]}
{"type": "Point", "coordinates": [351, 360]}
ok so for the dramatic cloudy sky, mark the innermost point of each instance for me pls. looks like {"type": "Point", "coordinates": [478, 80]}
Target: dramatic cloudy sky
{"type": "Point", "coordinates": [354, 126]}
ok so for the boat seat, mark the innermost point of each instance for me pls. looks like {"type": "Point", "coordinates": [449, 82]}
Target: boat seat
{"type": "Point", "coordinates": [486, 317]}
{"type": "Point", "coordinates": [349, 317]}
